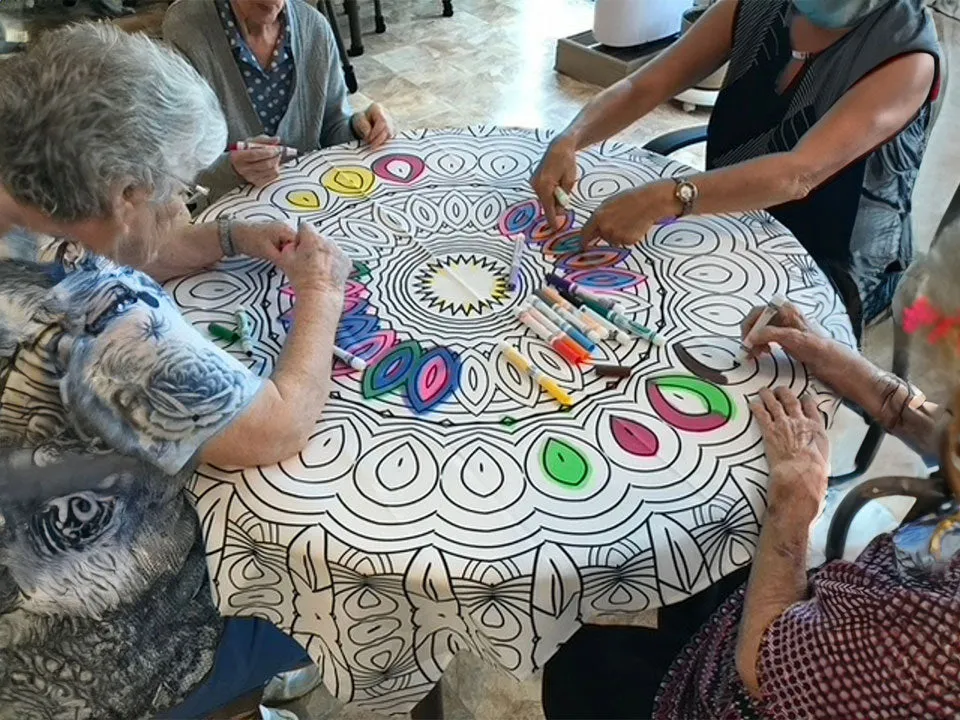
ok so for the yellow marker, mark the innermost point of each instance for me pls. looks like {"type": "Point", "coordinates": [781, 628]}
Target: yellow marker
{"type": "Point", "coordinates": [524, 365]}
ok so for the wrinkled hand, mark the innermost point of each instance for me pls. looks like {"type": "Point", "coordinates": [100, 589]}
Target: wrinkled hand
{"type": "Point", "coordinates": [264, 240]}
{"type": "Point", "coordinates": [625, 218]}
{"type": "Point", "coordinates": [373, 126]}
{"type": "Point", "coordinates": [793, 332]}
{"type": "Point", "coordinates": [315, 264]}
{"type": "Point", "coordinates": [798, 451]}
{"type": "Point", "coordinates": [258, 166]}
{"type": "Point", "coordinates": [557, 168]}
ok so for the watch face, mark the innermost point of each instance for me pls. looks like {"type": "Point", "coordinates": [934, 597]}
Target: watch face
{"type": "Point", "coordinates": [686, 193]}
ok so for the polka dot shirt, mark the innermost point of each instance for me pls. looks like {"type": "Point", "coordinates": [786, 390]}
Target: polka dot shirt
{"type": "Point", "coordinates": [269, 88]}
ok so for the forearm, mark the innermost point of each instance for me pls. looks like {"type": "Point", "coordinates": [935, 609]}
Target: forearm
{"type": "Point", "coordinates": [752, 185]}
{"type": "Point", "coordinates": [777, 581]}
{"type": "Point", "coordinates": [612, 111]}
{"type": "Point", "coordinates": [186, 249]}
{"type": "Point", "coordinates": [281, 418]}
{"type": "Point", "coordinates": [899, 407]}
{"type": "Point", "coordinates": [302, 375]}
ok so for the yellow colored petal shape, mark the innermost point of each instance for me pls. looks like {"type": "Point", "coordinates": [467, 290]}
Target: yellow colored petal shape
{"type": "Point", "coordinates": [350, 182]}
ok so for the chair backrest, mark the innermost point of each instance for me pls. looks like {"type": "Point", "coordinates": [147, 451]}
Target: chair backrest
{"type": "Point", "coordinates": [929, 494]}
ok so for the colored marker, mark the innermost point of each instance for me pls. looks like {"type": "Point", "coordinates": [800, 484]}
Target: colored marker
{"type": "Point", "coordinates": [574, 334]}
{"type": "Point", "coordinates": [552, 328]}
{"type": "Point", "coordinates": [551, 296]}
{"type": "Point", "coordinates": [518, 242]}
{"type": "Point", "coordinates": [523, 364]}
{"type": "Point", "coordinates": [579, 291]}
{"type": "Point", "coordinates": [569, 313]}
{"type": "Point", "coordinates": [561, 195]}
{"type": "Point", "coordinates": [244, 329]}
{"type": "Point", "coordinates": [615, 371]}
{"type": "Point", "coordinates": [555, 340]}
{"type": "Point", "coordinates": [222, 333]}
{"type": "Point", "coordinates": [286, 153]}
{"type": "Point", "coordinates": [591, 334]}
{"type": "Point", "coordinates": [634, 328]}
{"type": "Point", "coordinates": [615, 333]}
{"type": "Point", "coordinates": [358, 364]}
{"type": "Point", "coordinates": [766, 317]}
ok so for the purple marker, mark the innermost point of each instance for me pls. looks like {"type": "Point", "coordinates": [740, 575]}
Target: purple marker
{"type": "Point", "coordinates": [571, 288]}
{"type": "Point", "coordinates": [518, 242]}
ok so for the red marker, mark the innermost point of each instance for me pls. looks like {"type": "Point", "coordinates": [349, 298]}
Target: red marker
{"type": "Point", "coordinates": [286, 153]}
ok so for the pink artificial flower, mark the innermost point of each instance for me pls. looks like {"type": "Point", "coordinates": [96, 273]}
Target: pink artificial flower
{"type": "Point", "coordinates": [922, 314]}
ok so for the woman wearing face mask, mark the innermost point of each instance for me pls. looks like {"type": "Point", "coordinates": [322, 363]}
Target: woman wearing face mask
{"type": "Point", "coordinates": [275, 68]}
{"type": "Point", "coordinates": [822, 121]}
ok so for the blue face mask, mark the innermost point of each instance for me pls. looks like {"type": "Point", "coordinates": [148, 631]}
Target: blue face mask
{"type": "Point", "coordinates": [836, 14]}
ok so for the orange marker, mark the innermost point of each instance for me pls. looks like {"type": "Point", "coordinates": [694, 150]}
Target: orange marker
{"type": "Point", "coordinates": [555, 340]}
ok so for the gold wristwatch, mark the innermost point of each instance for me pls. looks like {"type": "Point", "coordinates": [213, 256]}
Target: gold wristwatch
{"type": "Point", "coordinates": [687, 194]}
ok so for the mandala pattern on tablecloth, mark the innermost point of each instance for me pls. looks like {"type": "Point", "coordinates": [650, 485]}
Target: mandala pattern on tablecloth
{"type": "Point", "coordinates": [445, 502]}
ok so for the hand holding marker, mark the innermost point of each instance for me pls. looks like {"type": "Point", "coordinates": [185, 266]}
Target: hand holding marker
{"type": "Point", "coordinates": [285, 153]}
{"type": "Point", "coordinates": [766, 317]}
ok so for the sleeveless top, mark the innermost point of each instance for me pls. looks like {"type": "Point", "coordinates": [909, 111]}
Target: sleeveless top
{"type": "Point", "coordinates": [857, 226]}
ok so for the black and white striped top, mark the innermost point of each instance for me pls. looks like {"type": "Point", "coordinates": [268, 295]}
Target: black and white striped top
{"type": "Point", "coordinates": [857, 225]}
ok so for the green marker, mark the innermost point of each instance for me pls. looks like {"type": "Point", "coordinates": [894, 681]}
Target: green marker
{"type": "Point", "coordinates": [635, 328]}
{"type": "Point", "coordinates": [622, 322]}
{"type": "Point", "coordinates": [222, 333]}
{"type": "Point", "coordinates": [245, 330]}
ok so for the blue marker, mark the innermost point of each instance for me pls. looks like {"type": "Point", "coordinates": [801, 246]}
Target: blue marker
{"type": "Point", "coordinates": [578, 337]}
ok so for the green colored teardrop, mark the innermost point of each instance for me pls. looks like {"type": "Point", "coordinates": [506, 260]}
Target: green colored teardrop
{"type": "Point", "coordinates": [564, 464]}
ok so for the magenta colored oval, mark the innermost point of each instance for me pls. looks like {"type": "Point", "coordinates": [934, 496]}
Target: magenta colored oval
{"type": "Point", "coordinates": [635, 438]}
{"type": "Point", "coordinates": [401, 169]}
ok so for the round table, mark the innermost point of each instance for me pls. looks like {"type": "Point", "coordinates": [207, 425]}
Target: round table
{"type": "Point", "coordinates": [445, 503]}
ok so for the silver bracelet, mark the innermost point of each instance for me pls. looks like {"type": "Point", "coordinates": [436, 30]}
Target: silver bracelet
{"type": "Point", "coordinates": [226, 236]}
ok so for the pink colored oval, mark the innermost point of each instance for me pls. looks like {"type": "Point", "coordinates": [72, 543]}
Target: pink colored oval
{"type": "Point", "coordinates": [635, 438]}
{"type": "Point", "coordinates": [400, 169]}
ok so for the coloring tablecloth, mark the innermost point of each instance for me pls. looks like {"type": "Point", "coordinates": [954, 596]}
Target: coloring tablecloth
{"type": "Point", "coordinates": [444, 502]}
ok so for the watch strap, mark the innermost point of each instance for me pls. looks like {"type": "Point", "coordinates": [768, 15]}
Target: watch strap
{"type": "Point", "coordinates": [226, 236]}
{"type": "Point", "coordinates": [687, 199]}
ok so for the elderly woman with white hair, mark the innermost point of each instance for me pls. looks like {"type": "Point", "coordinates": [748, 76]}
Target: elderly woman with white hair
{"type": "Point", "coordinates": [274, 65]}
{"type": "Point", "coordinates": [876, 637]}
{"type": "Point", "coordinates": [105, 605]}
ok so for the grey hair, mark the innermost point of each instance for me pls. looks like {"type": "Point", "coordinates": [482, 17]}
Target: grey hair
{"type": "Point", "coordinates": [89, 111]}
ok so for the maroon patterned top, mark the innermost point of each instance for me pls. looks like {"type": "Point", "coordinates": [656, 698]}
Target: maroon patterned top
{"type": "Point", "coordinates": [873, 641]}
